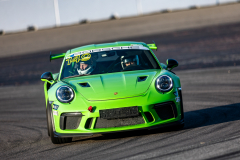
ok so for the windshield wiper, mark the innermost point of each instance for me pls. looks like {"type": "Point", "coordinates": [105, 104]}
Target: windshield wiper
{"type": "Point", "coordinates": [77, 76]}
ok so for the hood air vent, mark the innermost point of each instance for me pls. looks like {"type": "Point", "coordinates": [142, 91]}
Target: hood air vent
{"type": "Point", "coordinates": [84, 84]}
{"type": "Point", "coordinates": [142, 78]}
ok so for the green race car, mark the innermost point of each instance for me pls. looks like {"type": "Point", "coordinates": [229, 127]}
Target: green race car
{"type": "Point", "coordinates": [111, 87]}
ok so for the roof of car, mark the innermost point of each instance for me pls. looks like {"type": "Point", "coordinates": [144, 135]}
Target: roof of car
{"type": "Point", "coordinates": [105, 45]}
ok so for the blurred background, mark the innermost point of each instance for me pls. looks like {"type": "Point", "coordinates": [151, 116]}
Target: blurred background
{"type": "Point", "coordinates": [197, 33]}
{"type": "Point", "coordinates": [19, 15]}
{"type": "Point", "coordinates": [202, 35]}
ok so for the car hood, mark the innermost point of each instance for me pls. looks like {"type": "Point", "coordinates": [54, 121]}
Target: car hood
{"type": "Point", "coordinates": [113, 85]}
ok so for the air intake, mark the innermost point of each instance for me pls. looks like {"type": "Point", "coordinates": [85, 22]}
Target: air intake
{"type": "Point", "coordinates": [84, 84]}
{"type": "Point", "coordinates": [166, 110]}
{"type": "Point", "coordinates": [142, 78]}
{"type": "Point", "coordinates": [70, 120]}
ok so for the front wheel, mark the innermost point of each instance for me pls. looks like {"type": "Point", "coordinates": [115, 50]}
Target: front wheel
{"type": "Point", "coordinates": [47, 123]}
{"type": "Point", "coordinates": [55, 140]}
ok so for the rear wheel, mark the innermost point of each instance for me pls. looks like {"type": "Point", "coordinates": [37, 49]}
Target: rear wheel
{"type": "Point", "coordinates": [54, 140]}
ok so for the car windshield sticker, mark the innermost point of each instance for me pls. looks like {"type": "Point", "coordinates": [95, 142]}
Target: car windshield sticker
{"type": "Point", "coordinates": [133, 46]}
{"type": "Point", "coordinates": [83, 57]}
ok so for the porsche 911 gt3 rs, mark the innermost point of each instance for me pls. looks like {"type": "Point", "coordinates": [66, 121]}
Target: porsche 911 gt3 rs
{"type": "Point", "coordinates": [111, 87]}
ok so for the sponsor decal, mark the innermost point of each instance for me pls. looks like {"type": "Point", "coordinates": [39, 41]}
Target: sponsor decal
{"type": "Point", "coordinates": [76, 59]}
{"type": "Point", "coordinates": [85, 57]}
{"type": "Point", "coordinates": [55, 106]}
{"type": "Point", "coordinates": [55, 113]}
{"type": "Point", "coordinates": [78, 54]}
{"type": "Point", "coordinates": [175, 93]}
{"type": "Point", "coordinates": [177, 99]}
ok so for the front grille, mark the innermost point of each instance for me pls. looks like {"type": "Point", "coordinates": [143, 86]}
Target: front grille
{"type": "Point", "coordinates": [105, 123]}
{"type": "Point", "coordinates": [70, 121]}
{"type": "Point", "coordinates": [166, 110]}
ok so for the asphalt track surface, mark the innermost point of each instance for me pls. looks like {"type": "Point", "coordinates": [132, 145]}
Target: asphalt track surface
{"type": "Point", "coordinates": [212, 109]}
{"type": "Point", "coordinates": [209, 70]}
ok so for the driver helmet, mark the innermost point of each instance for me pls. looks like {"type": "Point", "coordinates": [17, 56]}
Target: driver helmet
{"type": "Point", "coordinates": [89, 69]}
{"type": "Point", "coordinates": [128, 59]}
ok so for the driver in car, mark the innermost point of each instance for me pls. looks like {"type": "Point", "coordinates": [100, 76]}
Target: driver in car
{"type": "Point", "coordinates": [90, 67]}
{"type": "Point", "coordinates": [127, 61]}
{"type": "Point", "coordinates": [86, 67]}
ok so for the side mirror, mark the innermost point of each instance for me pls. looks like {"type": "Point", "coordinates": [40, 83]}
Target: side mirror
{"type": "Point", "coordinates": [171, 63]}
{"type": "Point", "coordinates": [47, 76]}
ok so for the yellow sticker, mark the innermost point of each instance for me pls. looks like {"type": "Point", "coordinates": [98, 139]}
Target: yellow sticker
{"type": "Point", "coordinates": [84, 57]}
{"type": "Point", "coordinates": [69, 61]}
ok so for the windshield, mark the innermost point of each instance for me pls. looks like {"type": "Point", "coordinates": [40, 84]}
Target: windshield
{"type": "Point", "coordinates": [108, 62]}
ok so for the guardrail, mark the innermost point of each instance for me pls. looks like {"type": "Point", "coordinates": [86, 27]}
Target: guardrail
{"type": "Point", "coordinates": [27, 15]}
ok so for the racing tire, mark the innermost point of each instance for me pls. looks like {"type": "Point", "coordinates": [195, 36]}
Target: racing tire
{"type": "Point", "coordinates": [55, 140]}
{"type": "Point", "coordinates": [47, 124]}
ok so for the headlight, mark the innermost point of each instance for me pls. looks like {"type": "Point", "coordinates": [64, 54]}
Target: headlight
{"type": "Point", "coordinates": [164, 83]}
{"type": "Point", "coordinates": [65, 94]}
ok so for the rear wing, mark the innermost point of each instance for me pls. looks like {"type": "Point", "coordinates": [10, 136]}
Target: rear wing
{"type": "Point", "coordinates": [56, 56]}
{"type": "Point", "coordinates": [152, 46]}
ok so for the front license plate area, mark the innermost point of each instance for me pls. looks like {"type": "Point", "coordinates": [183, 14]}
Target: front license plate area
{"type": "Point", "coordinates": [119, 113]}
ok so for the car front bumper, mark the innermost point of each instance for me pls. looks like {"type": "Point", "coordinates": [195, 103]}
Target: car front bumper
{"type": "Point", "coordinates": [154, 112]}
{"type": "Point", "coordinates": [66, 135]}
